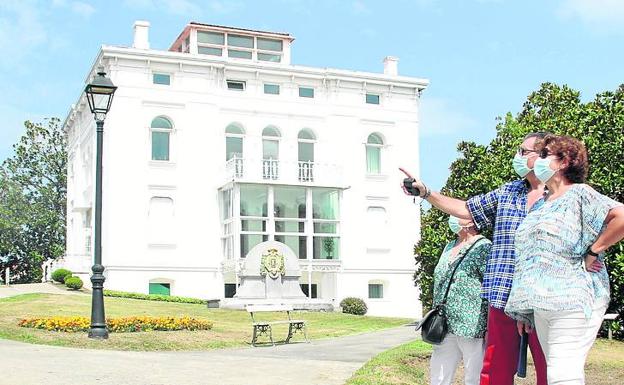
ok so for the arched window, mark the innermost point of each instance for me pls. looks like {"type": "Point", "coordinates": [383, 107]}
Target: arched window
{"type": "Point", "coordinates": [374, 144]}
{"type": "Point", "coordinates": [234, 134]}
{"type": "Point", "coordinates": [305, 141]}
{"type": "Point", "coordinates": [161, 129]}
{"type": "Point", "coordinates": [270, 152]}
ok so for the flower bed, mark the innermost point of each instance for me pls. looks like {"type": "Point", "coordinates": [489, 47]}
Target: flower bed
{"type": "Point", "coordinates": [117, 325]}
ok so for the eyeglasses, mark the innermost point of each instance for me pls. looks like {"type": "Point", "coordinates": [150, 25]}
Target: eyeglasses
{"type": "Point", "coordinates": [524, 151]}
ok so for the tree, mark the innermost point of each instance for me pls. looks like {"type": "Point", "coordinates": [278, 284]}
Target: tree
{"type": "Point", "coordinates": [558, 109]}
{"type": "Point", "coordinates": [33, 201]}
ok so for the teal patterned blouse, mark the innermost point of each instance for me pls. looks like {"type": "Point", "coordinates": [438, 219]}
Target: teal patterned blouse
{"type": "Point", "coordinates": [550, 250]}
{"type": "Point", "coordinates": [466, 310]}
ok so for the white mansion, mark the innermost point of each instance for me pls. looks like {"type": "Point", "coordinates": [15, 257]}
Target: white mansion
{"type": "Point", "coordinates": [220, 143]}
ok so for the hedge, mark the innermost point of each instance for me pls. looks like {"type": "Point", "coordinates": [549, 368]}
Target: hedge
{"type": "Point", "coordinates": [153, 297]}
{"type": "Point", "coordinates": [117, 325]}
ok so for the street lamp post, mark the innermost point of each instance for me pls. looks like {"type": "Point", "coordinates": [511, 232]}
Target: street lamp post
{"type": "Point", "coordinates": [100, 96]}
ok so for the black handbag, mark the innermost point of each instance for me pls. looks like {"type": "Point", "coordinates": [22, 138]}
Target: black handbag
{"type": "Point", "coordinates": [433, 326]}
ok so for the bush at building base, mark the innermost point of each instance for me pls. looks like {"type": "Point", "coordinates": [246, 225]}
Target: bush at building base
{"type": "Point", "coordinates": [74, 283]}
{"type": "Point", "coordinates": [59, 275]}
{"type": "Point", "coordinates": [353, 305]}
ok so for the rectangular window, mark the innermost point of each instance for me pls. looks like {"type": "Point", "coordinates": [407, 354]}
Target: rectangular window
{"type": "Point", "coordinates": [210, 51]}
{"type": "Point", "coordinates": [160, 288]}
{"type": "Point", "coordinates": [240, 41]}
{"type": "Point", "coordinates": [271, 89]}
{"type": "Point", "coordinates": [289, 202]}
{"type": "Point", "coordinates": [269, 44]}
{"type": "Point", "coordinates": [373, 160]}
{"type": "Point", "coordinates": [325, 203]}
{"type": "Point", "coordinates": [269, 57]}
{"type": "Point", "coordinates": [306, 92]}
{"type": "Point", "coordinates": [289, 226]}
{"type": "Point", "coordinates": [253, 200]}
{"type": "Point", "coordinates": [326, 248]}
{"type": "Point", "coordinates": [239, 54]}
{"type": "Point", "coordinates": [297, 244]}
{"type": "Point", "coordinates": [161, 79]}
{"type": "Point", "coordinates": [233, 147]}
{"type": "Point", "coordinates": [253, 225]}
{"type": "Point", "coordinates": [249, 241]}
{"type": "Point", "coordinates": [372, 99]}
{"type": "Point", "coordinates": [325, 228]}
{"type": "Point", "coordinates": [160, 145]}
{"type": "Point", "coordinates": [236, 85]}
{"type": "Point", "coordinates": [229, 290]}
{"type": "Point", "coordinates": [210, 37]}
{"type": "Point", "coordinates": [375, 290]}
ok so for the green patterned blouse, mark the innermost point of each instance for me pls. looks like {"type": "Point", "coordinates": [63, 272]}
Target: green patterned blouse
{"type": "Point", "coordinates": [466, 310]}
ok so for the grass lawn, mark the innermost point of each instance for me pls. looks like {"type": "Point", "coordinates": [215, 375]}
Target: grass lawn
{"type": "Point", "coordinates": [232, 328]}
{"type": "Point", "coordinates": [409, 364]}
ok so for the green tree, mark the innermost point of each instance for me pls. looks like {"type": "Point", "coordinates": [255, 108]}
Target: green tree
{"type": "Point", "coordinates": [33, 201]}
{"type": "Point", "coordinates": [558, 109]}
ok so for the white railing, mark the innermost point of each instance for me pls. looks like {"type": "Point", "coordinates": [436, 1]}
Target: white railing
{"type": "Point", "coordinates": [306, 171]}
{"type": "Point", "coordinates": [270, 169]}
{"type": "Point", "coordinates": [289, 172]}
{"type": "Point", "coordinates": [234, 167]}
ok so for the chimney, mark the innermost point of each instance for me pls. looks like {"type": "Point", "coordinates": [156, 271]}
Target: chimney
{"type": "Point", "coordinates": [391, 65]}
{"type": "Point", "coordinates": [141, 34]}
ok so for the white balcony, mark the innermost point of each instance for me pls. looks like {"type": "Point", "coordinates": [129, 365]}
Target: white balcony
{"type": "Point", "coordinates": [283, 172]}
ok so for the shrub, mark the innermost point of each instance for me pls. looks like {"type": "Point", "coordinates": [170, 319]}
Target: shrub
{"type": "Point", "coordinates": [117, 325]}
{"type": "Point", "coordinates": [74, 283]}
{"type": "Point", "coordinates": [353, 305]}
{"type": "Point", "coordinates": [59, 275]}
{"type": "Point", "coordinates": [153, 297]}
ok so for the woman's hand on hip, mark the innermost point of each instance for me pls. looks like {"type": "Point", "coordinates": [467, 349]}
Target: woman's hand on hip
{"type": "Point", "coordinates": [593, 264]}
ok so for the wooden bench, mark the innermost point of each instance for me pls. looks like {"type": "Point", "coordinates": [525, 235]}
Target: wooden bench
{"type": "Point", "coordinates": [261, 327]}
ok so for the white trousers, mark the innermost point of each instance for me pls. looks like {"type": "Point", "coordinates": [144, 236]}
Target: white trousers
{"type": "Point", "coordinates": [446, 357]}
{"type": "Point", "coordinates": [566, 338]}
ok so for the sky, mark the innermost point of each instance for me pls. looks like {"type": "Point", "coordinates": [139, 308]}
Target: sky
{"type": "Point", "coordinates": [482, 57]}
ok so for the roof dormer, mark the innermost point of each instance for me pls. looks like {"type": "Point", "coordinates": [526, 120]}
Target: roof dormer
{"type": "Point", "coordinates": [234, 43]}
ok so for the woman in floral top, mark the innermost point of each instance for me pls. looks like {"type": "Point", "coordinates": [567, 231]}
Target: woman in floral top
{"type": "Point", "coordinates": [556, 287]}
{"type": "Point", "coordinates": [466, 310]}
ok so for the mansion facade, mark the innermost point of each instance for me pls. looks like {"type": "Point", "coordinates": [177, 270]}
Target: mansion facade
{"type": "Point", "coordinates": [220, 143]}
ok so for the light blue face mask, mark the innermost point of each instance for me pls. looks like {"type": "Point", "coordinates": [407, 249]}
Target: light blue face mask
{"type": "Point", "coordinates": [542, 169]}
{"type": "Point", "coordinates": [520, 165]}
{"type": "Point", "coordinates": [453, 223]}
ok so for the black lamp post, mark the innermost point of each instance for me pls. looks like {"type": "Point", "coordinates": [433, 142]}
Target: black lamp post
{"type": "Point", "coordinates": [100, 96]}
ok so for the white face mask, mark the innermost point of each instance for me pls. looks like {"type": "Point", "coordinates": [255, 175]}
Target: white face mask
{"type": "Point", "coordinates": [542, 169]}
{"type": "Point", "coordinates": [520, 165]}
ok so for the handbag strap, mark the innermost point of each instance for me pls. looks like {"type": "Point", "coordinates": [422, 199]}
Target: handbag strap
{"type": "Point", "coordinates": [448, 287]}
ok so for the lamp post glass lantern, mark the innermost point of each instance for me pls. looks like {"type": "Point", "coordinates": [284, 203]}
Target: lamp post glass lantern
{"type": "Point", "coordinates": [100, 97]}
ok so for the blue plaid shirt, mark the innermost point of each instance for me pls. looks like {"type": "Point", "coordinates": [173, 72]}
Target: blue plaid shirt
{"type": "Point", "coordinates": [504, 209]}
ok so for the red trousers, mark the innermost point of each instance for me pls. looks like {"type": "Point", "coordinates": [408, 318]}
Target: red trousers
{"type": "Point", "coordinates": [502, 350]}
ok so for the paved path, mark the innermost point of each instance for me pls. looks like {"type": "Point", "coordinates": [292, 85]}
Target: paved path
{"type": "Point", "coordinates": [9, 291]}
{"type": "Point", "coordinates": [322, 362]}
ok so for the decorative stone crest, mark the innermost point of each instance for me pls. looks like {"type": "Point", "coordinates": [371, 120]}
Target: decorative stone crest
{"type": "Point", "coordinates": [272, 264]}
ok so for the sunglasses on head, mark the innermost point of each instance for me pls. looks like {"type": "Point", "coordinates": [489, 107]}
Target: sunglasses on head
{"type": "Point", "coordinates": [545, 153]}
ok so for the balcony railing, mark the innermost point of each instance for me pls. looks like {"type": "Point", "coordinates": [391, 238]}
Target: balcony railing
{"type": "Point", "coordinates": [306, 171]}
{"type": "Point", "coordinates": [273, 170]}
